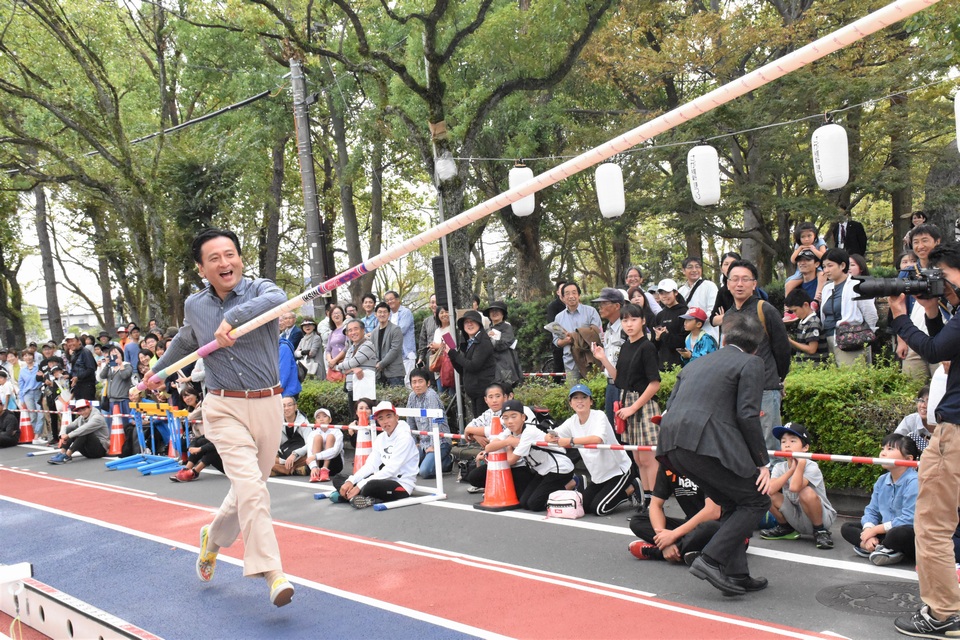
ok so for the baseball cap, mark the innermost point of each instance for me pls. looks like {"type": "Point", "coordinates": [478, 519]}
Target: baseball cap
{"type": "Point", "coordinates": [384, 406]}
{"type": "Point", "coordinates": [121, 329]}
{"type": "Point", "coordinates": [695, 313]}
{"type": "Point", "coordinates": [806, 254]}
{"type": "Point", "coordinates": [82, 404]}
{"type": "Point", "coordinates": [580, 388]}
{"type": "Point", "coordinates": [70, 336]}
{"type": "Point", "coordinates": [322, 410]}
{"type": "Point", "coordinates": [609, 294]}
{"type": "Point", "coordinates": [512, 405]}
{"type": "Point", "coordinates": [794, 428]}
{"type": "Point", "coordinates": [667, 284]}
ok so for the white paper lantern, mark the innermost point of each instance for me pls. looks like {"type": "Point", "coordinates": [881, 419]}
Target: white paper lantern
{"type": "Point", "coordinates": [831, 160]}
{"type": "Point", "coordinates": [610, 194]}
{"type": "Point", "coordinates": [703, 169]}
{"type": "Point", "coordinates": [524, 206]}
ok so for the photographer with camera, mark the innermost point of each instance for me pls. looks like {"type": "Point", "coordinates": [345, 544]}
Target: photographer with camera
{"type": "Point", "coordinates": [937, 503]}
{"type": "Point", "coordinates": [119, 376]}
{"type": "Point", "coordinates": [923, 239]}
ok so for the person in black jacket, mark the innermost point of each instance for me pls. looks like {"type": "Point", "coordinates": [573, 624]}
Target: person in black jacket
{"type": "Point", "coordinates": [711, 433]}
{"type": "Point", "coordinates": [83, 369]}
{"type": "Point", "coordinates": [847, 234]}
{"type": "Point", "coordinates": [474, 360]}
{"type": "Point", "coordinates": [9, 428]}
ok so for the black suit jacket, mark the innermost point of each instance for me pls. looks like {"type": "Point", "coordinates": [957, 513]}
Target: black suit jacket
{"type": "Point", "coordinates": [855, 240]}
{"type": "Point", "coordinates": [714, 410]}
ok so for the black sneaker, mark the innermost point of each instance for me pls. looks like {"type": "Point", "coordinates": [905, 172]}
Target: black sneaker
{"type": "Point", "coordinates": [636, 498]}
{"type": "Point", "coordinates": [780, 532]}
{"type": "Point", "coordinates": [689, 557]}
{"type": "Point", "coordinates": [823, 539]}
{"type": "Point", "coordinates": [922, 625]}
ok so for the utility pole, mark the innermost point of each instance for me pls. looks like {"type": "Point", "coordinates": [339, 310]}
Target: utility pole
{"type": "Point", "coordinates": [316, 234]}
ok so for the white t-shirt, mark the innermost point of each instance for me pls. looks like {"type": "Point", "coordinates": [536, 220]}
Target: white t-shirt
{"type": "Point", "coordinates": [705, 297]}
{"type": "Point", "coordinates": [542, 460]}
{"type": "Point", "coordinates": [326, 453]}
{"type": "Point", "coordinates": [602, 464]}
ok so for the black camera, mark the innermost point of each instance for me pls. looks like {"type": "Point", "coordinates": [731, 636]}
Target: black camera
{"type": "Point", "coordinates": [926, 284]}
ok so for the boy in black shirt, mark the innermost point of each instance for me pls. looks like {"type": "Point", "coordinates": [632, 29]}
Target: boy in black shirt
{"type": "Point", "coordinates": [672, 539]}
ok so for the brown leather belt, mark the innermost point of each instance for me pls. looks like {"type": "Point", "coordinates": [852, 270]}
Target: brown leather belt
{"type": "Point", "coordinates": [249, 395]}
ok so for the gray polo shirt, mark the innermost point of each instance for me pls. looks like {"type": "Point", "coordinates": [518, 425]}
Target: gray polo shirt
{"type": "Point", "coordinates": [253, 361]}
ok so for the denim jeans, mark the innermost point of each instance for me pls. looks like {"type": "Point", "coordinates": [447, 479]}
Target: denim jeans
{"type": "Point", "coordinates": [428, 464]}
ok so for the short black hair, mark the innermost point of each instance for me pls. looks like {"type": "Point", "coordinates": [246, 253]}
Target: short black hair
{"type": "Point", "coordinates": [839, 256]}
{"type": "Point", "coordinates": [570, 284]}
{"type": "Point", "coordinates": [394, 293]}
{"type": "Point", "coordinates": [805, 226]}
{"type": "Point", "coordinates": [369, 295]}
{"type": "Point", "coordinates": [742, 330]}
{"type": "Point", "coordinates": [797, 298]}
{"type": "Point", "coordinates": [746, 264]}
{"type": "Point", "coordinates": [689, 259]}
{"type": "Point", "coordinates": [381, 305]}
{"type": "Point", "coordinates": [498, 385]}
{"type": "Point", "coordinates": [420, 372]}
{"type": "Point", "coordinates": [926, 228]}
{"type": "Point", "coordinates": [946, 254]}
{"type": "Point", "coordinates": [209, 234]}
{"type": "Point", "coordinates": [903, 444]}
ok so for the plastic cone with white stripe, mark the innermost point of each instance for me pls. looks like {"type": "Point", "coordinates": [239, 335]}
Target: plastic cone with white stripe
{"type": "Point", "coordinates": [364, 441]}
{"type": "Point", "coordinates": [499, 493]}
{"type": "Point", "coordinates": [26, 427]}
{"type": "Point", "coordinates": [117, 438]}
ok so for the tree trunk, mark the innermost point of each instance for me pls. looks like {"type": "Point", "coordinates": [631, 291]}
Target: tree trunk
{"type": "Point", "coordinates": [270, 230]}
{"type": "Point", "coordinates": [942, 191]}
{"type": "Point", "coordinates": [11, 301]}
{"type": "Point", "coordinates": [103, 276]}
{"type": "Point", "coordinates": [376, 208]}
{"type": "Point", "coordinates": [54, 319]}
{"type": "Point", "coordinates": [533, 277]}
{"type": "Point", "coordinates": [351, 225]}
{"type": "Point", "coordinates": [901, 196]}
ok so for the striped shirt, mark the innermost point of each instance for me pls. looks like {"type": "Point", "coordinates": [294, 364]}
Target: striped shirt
{"type": "Point", "coordinates": [252, 362]}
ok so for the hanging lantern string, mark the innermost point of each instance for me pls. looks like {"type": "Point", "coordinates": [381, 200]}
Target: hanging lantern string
{"type": "Point", "coordinates": [826, 116]}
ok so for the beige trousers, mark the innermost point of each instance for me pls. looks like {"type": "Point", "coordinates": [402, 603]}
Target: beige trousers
{"type": "Point", "coordinates": [936, 520]}
{"type": "Point", "coordinates": [247, 435]}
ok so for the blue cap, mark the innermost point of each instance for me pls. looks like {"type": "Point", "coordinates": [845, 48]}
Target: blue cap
{"type": "Point", "coordinates": [580, 388]}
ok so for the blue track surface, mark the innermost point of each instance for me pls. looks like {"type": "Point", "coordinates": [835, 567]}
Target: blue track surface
{"type": "Point", "coordinates": [144, 582]}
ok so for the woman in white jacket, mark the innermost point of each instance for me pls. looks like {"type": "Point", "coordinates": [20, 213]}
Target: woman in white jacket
{"type": "Point", "coordinates": [839, 305]}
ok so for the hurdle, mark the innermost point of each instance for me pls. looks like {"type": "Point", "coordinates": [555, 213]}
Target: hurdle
{"type": "Point", "coordinates": [135, 461]}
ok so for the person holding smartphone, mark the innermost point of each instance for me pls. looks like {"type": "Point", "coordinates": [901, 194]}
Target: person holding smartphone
{"type": "Point", "coordinates": [119, 376]}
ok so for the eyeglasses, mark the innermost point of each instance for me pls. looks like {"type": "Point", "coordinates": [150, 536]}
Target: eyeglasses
{"type": "Point", "coordinates": [739, 280]}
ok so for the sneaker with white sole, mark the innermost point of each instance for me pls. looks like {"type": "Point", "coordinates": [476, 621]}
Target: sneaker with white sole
{"type": "Point", "coordinates": [884, 556]}
{"type": "Point", "coordinates": [207, 560]}
{"type": "Point", "coordinates": [860, 551]}
{"type": "Point", "coordinates": [473, 489]}
{"type": "Point", "coordinates": [60, 458]}
{"type": "Point", "coordinates": [362, 502]}
{"type": "Point", "coordinates": [281, 592]}
{"type": "Point", "coordinates": [923, 625]}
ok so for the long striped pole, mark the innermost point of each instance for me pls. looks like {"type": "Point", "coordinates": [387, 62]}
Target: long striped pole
{"type": "Point", "coordinates": [890, 14]}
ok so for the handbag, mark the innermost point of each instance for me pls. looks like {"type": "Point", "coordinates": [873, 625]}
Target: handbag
{"type": "Point", "coordinates": [335, 376]}
{"type": "Point", "coordinates": [436, 360]}
{"type": "Point", "coordinates": [853, 336]}
{"type": "Point", "coordinates": [565, 504]}
{"type": "Point", "coordinates": [447, 378]}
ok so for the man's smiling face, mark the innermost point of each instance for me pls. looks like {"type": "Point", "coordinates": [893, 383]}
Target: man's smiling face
{"type": "Point", "coordinates": [221, 264]}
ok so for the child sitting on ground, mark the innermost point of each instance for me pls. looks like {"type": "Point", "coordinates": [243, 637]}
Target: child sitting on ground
{"type": "Point", "coordinates": [797, 494]}
{"type": "Point", "coordinates": [885, 533]}
{"type": "Point", "coordinates": [698, 342]}
{"type": "Point", "coordinates": [914, 426]}
{"type": "Point", "coordinates": [325, 446]}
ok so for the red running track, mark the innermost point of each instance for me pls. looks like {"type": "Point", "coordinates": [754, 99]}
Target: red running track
{"type": "Point", "coordinates": [386, 571]}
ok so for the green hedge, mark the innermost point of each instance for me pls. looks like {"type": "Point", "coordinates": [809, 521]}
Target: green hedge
{"type": "Point", "coordinates": [330, 395]}
{"type": "Point", "coordinates": [847, 411]}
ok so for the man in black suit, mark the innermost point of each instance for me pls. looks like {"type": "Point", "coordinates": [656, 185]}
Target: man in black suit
{"type": "Point", "coordinates": [847, 234]}
{"type": "Point", "coordinates": [711, 433]}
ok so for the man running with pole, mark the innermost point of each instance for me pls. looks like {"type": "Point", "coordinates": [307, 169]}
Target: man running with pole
{"type": "Point", "coordinates": [243, 405]}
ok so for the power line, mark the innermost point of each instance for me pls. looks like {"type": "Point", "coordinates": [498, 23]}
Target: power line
{"type": "Point", "coordinates": [687, 143]}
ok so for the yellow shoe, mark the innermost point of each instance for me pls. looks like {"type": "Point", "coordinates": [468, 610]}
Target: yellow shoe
{"type": "Point", "coordinates": [281, 593]}
{"type": "Point", "coordinates": [206, 561]}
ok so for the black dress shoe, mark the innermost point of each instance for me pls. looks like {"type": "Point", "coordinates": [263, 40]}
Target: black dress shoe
{"type": "Point", "coordinates": [749, 583]}
{"type": "Point", "coordinates": [701, 569]}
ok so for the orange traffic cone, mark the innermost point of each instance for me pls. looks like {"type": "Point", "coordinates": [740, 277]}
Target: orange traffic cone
{"type": "Point", "coordinates": [26, 427]}
{"type": "Point", "coordinates": [499, 493]}
{"type": "Point", "coordinates": [364, 442]}
{"type": "Point", "coordinates": [116, 433]}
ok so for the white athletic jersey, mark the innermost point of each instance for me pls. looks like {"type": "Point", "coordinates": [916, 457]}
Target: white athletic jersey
{"type": "Point", "coordinates": [322, 432]}
{"type": "Point", "coordinates": [393, 457]}
{"type": "Point", "coordinates": [542, 460]}
{"type": "Point", "coordinates": [602, 464]}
